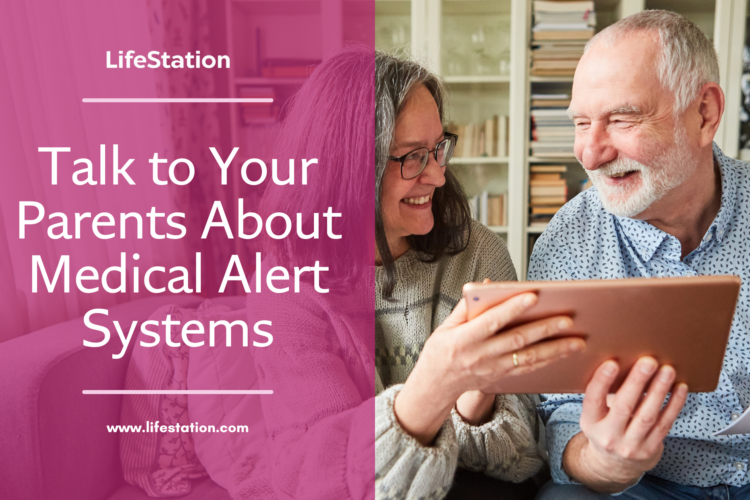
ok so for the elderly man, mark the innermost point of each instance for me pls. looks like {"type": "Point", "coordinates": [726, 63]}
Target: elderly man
{"type": "Point", "coordinates": [665, 202]}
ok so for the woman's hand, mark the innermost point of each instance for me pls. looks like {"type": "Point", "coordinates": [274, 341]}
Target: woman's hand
{"type": "Point", "coordinates": [463, 355]}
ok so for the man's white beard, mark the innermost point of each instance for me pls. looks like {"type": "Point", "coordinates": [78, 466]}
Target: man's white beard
{"type": "Point", "coordinates": [668, 170]}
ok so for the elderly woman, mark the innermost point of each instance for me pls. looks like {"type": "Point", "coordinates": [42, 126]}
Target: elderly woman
{"type": "Point", "coordinates": [436, 371]}
{"type": "Point", "coordinates": [429, 387]}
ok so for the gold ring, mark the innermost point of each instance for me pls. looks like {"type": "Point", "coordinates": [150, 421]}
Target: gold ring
{"type": "Point", "coordinates": [515, 359]}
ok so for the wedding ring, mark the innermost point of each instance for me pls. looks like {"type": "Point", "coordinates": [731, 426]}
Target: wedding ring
{"type": "Point", "coordinates": [515, 359]}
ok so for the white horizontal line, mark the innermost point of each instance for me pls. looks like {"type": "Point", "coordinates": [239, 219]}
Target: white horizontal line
{"type": "Point", "coordinates": [199, 392]}
{"type": "Point", "coordinates": [177, 99]}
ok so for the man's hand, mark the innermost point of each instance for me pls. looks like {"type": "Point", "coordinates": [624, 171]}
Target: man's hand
{"type": "Point", "coordinates": [622, 442]}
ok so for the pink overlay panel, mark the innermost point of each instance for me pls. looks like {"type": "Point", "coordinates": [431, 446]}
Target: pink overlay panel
{"type": "Point", "coordinates": [187, 204]}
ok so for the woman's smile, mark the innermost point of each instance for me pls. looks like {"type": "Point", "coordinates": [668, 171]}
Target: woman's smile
{"type": "Point", "coordinates": [418, 202]}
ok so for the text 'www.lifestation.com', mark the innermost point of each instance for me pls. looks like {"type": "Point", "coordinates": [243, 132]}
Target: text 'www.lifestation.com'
{"type": "Point", "coordinates": [192, 427]}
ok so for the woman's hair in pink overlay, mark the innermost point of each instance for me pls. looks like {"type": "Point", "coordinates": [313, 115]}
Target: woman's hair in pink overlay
{"type": "Point", "coordinates": [331, 119]}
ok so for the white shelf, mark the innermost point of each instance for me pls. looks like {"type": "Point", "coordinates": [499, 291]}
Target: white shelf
{"type": "Point", "coordinates": [478, 160]}
{"type": "Point", "coordinates": [536, 229]}
{"type": "Point", "coordinates": [552, 79]}
{"type": "Point", "coordinates": [564, 159]}
{"type": "Point", "coordinates": [498, 229]}
{"type": "Point", "coordinates": [457, 79]}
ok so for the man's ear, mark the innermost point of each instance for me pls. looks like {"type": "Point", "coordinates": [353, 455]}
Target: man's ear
{"type": "Point", "coordinates": [710, 108]}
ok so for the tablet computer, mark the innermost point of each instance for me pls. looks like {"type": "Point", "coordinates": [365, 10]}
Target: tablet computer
{"type": "Point", "coordinates": [684, 322]}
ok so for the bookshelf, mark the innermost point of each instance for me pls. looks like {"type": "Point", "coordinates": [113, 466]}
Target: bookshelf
{"type": "Point", "coordinates": [434, 37]}
{"type": "Point", "coordinates": [274, 46]}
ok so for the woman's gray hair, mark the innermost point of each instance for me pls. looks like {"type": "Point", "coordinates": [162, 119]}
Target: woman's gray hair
{"type": "Point", "coordinates": [687, 59]}
{"type": "Point", "coordinates": [395, 80]}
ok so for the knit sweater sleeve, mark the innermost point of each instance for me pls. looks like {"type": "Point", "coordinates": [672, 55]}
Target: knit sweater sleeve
{"type": "Point", "coordinates": [506, 446]}
{"type": "Point", "coordinates": [404, 468]}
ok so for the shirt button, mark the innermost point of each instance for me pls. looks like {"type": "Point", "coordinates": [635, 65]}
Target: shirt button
{"type": "Point", "coordinates": [739, 465]}
{"type": "Point", "coordinates": [735, 415]}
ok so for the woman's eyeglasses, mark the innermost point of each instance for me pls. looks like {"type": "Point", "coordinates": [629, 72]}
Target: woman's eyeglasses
{"type": "Point", "coordinates": [414, 162]}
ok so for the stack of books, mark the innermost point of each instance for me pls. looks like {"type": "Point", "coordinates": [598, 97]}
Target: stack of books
{"type": "Point", "coordinates": [552, 132]}
{"type": "Point", "coordinates": [561, 29]}
{"type": "Point", "coordinates": [549, 192]}
{"type": "Point", "coordinates": [556, 101]}
{"type": "Point", "coordinates": [490, 209]}
{"type": "Point", "coordinates": [251, 113]}
{"type": "Point", "coordinates": [489, 138]}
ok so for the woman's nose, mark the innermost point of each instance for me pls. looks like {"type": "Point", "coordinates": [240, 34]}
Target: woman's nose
{"type": "Point", "coordinates": [433, 174]}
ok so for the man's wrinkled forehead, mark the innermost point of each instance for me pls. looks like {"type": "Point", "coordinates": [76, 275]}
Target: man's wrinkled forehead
{"type": "Point", "coordinates": [622, 78]}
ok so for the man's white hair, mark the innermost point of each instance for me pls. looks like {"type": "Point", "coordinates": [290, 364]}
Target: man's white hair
{"type": "Point", "coordinates": [686, 61]}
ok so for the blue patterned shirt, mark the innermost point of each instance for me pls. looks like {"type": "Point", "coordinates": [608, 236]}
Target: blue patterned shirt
{"type": "Point", "coordinates": [584, 241]}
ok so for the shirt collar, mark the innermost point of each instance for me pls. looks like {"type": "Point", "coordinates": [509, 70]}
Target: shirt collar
{"type": "Point", "coordinates": [646, 239]}
{"type": "Point", "coordinates": [728, 194]}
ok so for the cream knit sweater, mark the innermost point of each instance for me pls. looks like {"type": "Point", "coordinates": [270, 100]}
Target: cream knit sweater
{"type": "Point", "coordinates": [505, 447]}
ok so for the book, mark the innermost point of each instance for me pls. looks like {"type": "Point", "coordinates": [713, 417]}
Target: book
{"type": "Point", "coordinates": [575, 17]}
{"type": "Point", "coordinates": [542, 137]}
{"type": "Point", "coordinates": [537, 103]}
{"type": "Point", "coordinates": [552, 6]}
{"type": "Point", "coordinates": [550, 113]}
{"type": "Point", "coordinates": [489, 209]}
{"type": "Point", "coordinates": [555, 53]}
{"type": "Point", "coordinates": [545, 210]}
{"type": "Point", "coordinates": [558, 45]}
{"type": "Point", "coordinates": [563, 35]}
{"type": "Point", "coordinates": [555, 63]}
{"type": "Point", "coordinates": [552, 72]}
{"type": "Point", "coordinates": [548, 168]}
{"type": "Point", "coordinates": [548, 191]}
{"type": "Point", "coordinates": [502, 134]}
{"type": "Point", "coordinates": [547, 200]}
{"type": "Point", "coordinates": [550, 182]}
{"type": "Point", "coordinates": [557, 26]}
{"type": "Point", "coordinates": [496, 210]}
{"type": "Point", "coordinates": [480, 144]}
{"type": "Point", "coordinates": [488, 138]}
{"type": "Point", "coordinates": [490, 143]}
{"type": "Point", "coordinates": [545, 177]}
{"type": "Point", "coordinates": [550, 96]}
